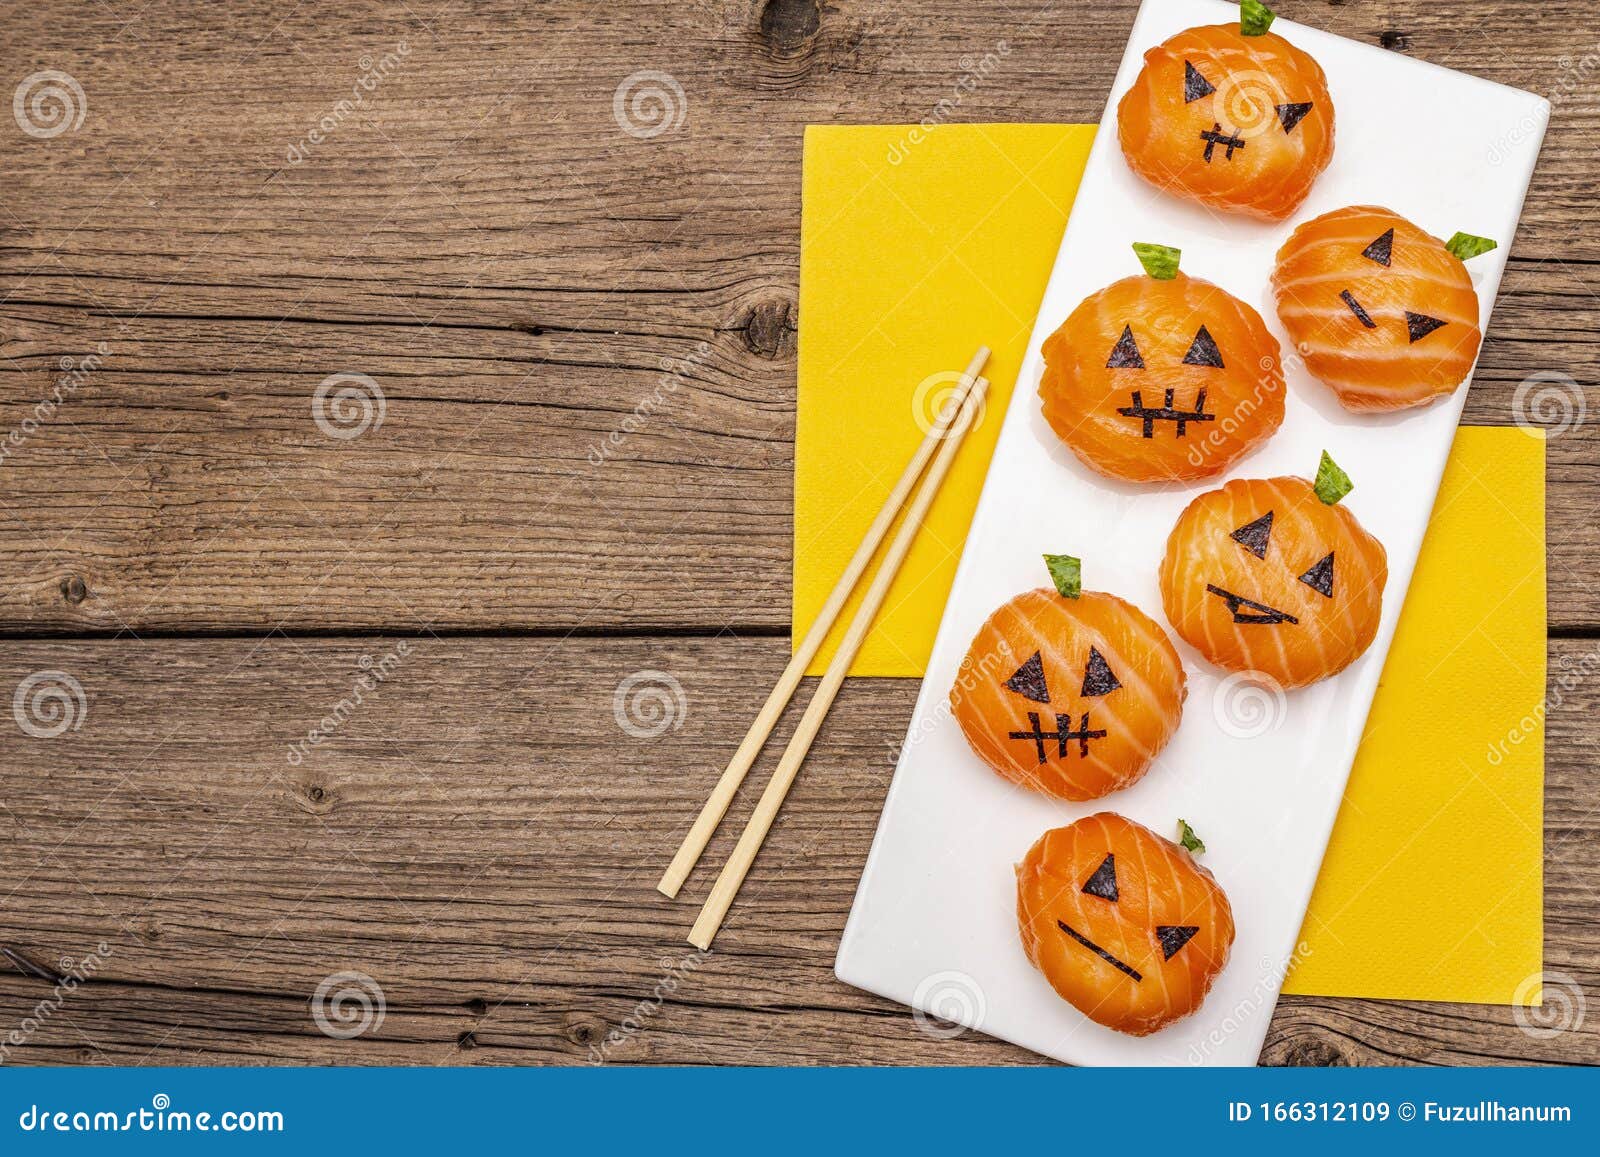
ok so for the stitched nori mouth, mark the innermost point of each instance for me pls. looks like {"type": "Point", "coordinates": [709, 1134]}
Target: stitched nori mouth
{"type": "Point", "coordinates": [1097, 950]}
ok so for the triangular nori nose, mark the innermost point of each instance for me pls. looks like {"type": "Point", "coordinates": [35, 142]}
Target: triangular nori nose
{"type": "Point", "coordinates": [1029, 680]}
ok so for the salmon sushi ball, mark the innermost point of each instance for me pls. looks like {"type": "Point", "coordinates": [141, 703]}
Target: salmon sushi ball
{"type": "Point", "coordinates": [1069, 692]}
{"type": "Point", "coordinates": [1230, 115]}
{"type": "Point", "coordinates": [1162, 378]}
{"type": "Point", "coordinates": [1383, 313]}
{"type": "Point", "coordinates": [1272, 577]}
{"type": "Point", "coordinates": [1124, 924]}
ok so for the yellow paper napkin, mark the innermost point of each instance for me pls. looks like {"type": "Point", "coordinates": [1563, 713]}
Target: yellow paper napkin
{"type": "Point", "coordinates": [917, 244]}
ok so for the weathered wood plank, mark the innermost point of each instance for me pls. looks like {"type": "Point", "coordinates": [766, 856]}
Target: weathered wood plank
{"type": "Point", "coordinates": [483, 239]}
{"type": "Point", "coordinates": [482, 837]}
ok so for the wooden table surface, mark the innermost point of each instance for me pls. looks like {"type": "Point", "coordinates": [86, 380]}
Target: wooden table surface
{"type": "Point", "coordinates": [441, 197]}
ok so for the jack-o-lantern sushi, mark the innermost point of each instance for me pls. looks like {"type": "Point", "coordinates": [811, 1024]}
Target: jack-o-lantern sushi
{"type": "Point", "coordinates": [1124, 924]}
{"type": "Point", "coordinates": [1271, 576]}
{"type": "Point", "coordinates": [1230, 115]}
{"type": "Point", "coordinates": [1162, 378]}
{"type": "Point", "coordinates": [1069, 692]}
{"type": "Point", "coordinates": [1383, 313]}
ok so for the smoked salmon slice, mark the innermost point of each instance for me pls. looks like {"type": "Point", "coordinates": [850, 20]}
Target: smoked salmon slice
{"type": "Point", "coordinates": [1124, 924]}
{"type": "Point", "coordinates": [1271, 576]}
{"type": "Point", "coordinates": [1383, 313]}
{"type": "Point", "coordinates": [1163, 377]}
{"type": "Point", "coordinates": [1230, 115]}
{"type": "Point", "coordinates": [1070, 694]}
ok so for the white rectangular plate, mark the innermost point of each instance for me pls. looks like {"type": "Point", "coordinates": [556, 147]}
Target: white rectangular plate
{"type": "Point", "coordinates": [934, 922]}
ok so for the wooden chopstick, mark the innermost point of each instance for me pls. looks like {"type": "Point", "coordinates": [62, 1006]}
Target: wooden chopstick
{"type": "Point", "coordinates": [716, 806]}
{"type": "Point", "coordinates": [755, 831]}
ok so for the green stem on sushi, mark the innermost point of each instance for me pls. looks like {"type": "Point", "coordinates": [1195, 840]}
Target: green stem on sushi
{"type": "Point", "coordinates": [1255, 18]}
{"type": "Point", "coordinates": [1159, 261]}
{"type": "Point", "coordinates": [1188, 839]}
{"type": "Point", "coordinates": [1067, 573]}
{"type": "Point", "coordinates": [1332, 483]}
{"type": "Point", "coordinates": [1466, 246]}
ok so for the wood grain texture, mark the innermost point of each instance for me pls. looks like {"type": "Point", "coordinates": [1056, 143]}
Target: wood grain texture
{"type": "Point", "coordinates": [480, 238]}
{"type": "Point", "coordinates": [482, 838]}
{"type": "Point", "coordinates": [586, 345]}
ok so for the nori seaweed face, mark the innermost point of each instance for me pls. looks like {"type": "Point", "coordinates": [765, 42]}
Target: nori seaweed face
{"type": "Point", "coordinates": [1174, 936]}
{"type": "Point", "coordinates": [1097, 676]}
{"type": "Point", "coordinates": [1029, 682]}
{"type": "Point", "coordinates": [1255, 535]}
{"type": "Point", "coordinates": [1195, 86]}
{"type": "Point", "coordinates": [1203, 351]}
{"type": "Point", "coordinates": [1320, 577]}
{"type": "Point", "coordinates": [1289, 115]}
{"type": "Point", "coordinates": [1125, 354]}
{"type": "Point", "coordinates": [1355, 307]}
{"type": "Point", "coordinates": [1104, 881]}
{"type": "Point", "coordinates": [1420, 325]}
{"type": "Point", "coordinates": [1381, 249]}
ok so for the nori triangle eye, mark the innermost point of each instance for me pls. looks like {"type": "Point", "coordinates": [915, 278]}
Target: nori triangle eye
{"type": "Point", "coordinates": [1320, 577]}
{"type": "Point", "coordinates": [1125, 354]}
{"type": "Point", "coordinates": [1289, 115]}
{"type": "Point", "coordinates": [1097, 676]}
{"type": "Point", "coordinates": [1255, 535]}
{"type": "Point", "coordinates": [1104, 881]}
{"type": "Point", "coordinates": [1203, 351]}
{"type": "Point", "coordinates": [1195, 86]}
{"type": "Point", "coordinates": [1174, 936]}
{"type": "Point", "coordinates": [1028, 681]}
{"type": "Point", "coordinates": [1381, 249]}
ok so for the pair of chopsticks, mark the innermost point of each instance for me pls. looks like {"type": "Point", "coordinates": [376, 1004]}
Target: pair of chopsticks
{"type": "Point", "coordinates": [940, 445]}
